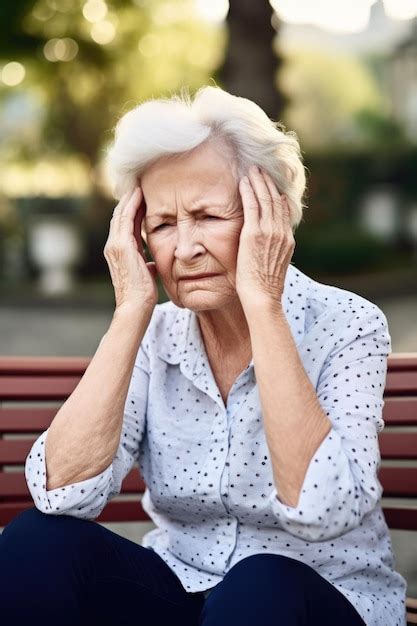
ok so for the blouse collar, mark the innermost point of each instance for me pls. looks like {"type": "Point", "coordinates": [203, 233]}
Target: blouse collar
{"type": "Point", "coordinates": [185, 345]}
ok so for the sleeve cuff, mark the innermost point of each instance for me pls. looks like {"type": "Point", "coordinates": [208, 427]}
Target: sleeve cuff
{"type": "Point", "coordinates": [321, 493]}
{"type": "Point", "coordinates": [84, 499]}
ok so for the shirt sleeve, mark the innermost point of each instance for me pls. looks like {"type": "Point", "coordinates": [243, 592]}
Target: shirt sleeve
{"type": "Point", "coordinates": [341, 484]}
{"type": "Point", "coordinates": [87, 498]}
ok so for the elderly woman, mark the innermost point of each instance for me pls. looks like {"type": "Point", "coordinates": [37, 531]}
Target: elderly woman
{"type": "Point", "coordinates": [251, 402]}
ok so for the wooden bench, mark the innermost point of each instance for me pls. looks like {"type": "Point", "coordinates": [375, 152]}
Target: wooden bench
{"type": "Point", "coordinates": [32, 389]}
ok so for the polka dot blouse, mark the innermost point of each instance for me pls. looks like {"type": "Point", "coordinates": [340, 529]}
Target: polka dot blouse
{"type": "Point", "coordinates": [210, 487]}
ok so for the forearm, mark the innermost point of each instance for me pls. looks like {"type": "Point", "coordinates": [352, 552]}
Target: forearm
{"type": "Point", "coordinates": [294, 421]}
{"type": "Point", "coordinates": [84, 435]}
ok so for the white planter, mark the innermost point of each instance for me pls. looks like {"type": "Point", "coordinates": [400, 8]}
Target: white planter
{"type": "Point", "coordinates": [380, 212]}
{"type": "Point", "coordinates": [55, 247]}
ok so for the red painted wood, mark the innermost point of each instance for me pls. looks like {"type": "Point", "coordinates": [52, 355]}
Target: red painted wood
{"type": "Point", "coordinates": [393, 445]}
{"type": "Point", "coordinates": [37, 387]}
{"type": "Point", "coordinates": [21, 420]}
{"type": "Point", "coordinates": [402, 361]}
{"type": "Point", "coordinates": [401, 383]}
{"type": "Point", "coordinates": [399, 482]}
{"type": "Point", "coordinates": [400, 411]}
{"type": "Point", "coordinates": [43, 365]}
{"type": "Point", "coordinates": [401, 518]}
{"type": "Point", "coordinates": [396, 445]}
{"type": "Point", "coordinates": [34, 379]}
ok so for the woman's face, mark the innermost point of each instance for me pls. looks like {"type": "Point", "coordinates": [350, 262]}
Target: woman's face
{"type": "Point", "coordinates": [192, 225]}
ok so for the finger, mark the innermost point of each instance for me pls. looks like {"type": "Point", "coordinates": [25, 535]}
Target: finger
{"type": "Point", "coordinates": [131, 220]}
{"type": "Point", "coordinates": [262, 193]}
{"type": "Point", "coordinates": [120, 205]}
{"type": "Point", "coordinates": [286, 211]}
{"type": "Point", "coordinates": [114, 221]}
{"type": "Point", "coordinates": [280, 212]}
{"type": "Point", "coordinates": [249, 203]}
{"type": "Point", "coordinates": [285, 214]}
{"type": "Point", "coordinates": [123, 218]}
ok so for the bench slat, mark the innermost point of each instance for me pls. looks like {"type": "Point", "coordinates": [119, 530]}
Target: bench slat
{"type": "Point", "coordinates": [37, 388]}
{"type": "Point", "coordinates": [401, 518]}
{"type": "Point", "coordinates": [401, 383]}
{"type": "Point", "coordinates": [396, 412]}
{"type": "Point", "coordinates": [402, 446]}
{"type": "Point", "coordinates": [22, 420]}
{"type": "Point", "coordinates": [400, 411]}
{"type": "Point", "coordinates": [397, 445]}
{"type": "Point", "coordinates": [403, 361]}
{"type": "Point", "coordinates": [398, 482]}
{"type": "Point", "coordinates": [43, 366]}
{"type": "Point", "coordinates": [23, 385]}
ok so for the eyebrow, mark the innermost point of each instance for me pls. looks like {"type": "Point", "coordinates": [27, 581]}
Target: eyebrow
{"type": "Point", "coordinates": [201, 206]}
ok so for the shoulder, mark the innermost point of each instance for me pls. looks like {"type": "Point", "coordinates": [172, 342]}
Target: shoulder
{"type": "Point", "coordinates": [336, 317]}
{"type": "Point", "coordinates": [328, 302]}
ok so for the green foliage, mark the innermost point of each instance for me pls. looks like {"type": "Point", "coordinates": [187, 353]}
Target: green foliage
{"type": "Point", "coordinates": [338, 179]}
{"type": "Point", "coordinates": [338, 248]}
{"type": "Point", "coordinates": [14, 40]}
{"type": "Point", "coordinates": [377, 128]}
{"type": "Point", "coordinates": [329, 238]}
{"type": "Point", "coordinates": [153, 52]}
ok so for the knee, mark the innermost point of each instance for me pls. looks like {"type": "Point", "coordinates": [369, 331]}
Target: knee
{"type": "Point", "coordinates": [29, 516]}
{"type": "Point", "coordinates": [267, 568]}
{"type": "Point", "coordinates": [31, 525]}
{"type": "Point", "coordinates": [253, 586]}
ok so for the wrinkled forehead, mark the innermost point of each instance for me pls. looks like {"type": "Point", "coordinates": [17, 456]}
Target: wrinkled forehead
{"type": "Point", "coordinates": [190, 200]}
{"type": "Point", "coordinates": [190, 185]}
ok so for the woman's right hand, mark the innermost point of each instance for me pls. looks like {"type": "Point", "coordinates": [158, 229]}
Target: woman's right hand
{"type": "Point", "coordinates": [134, 279]}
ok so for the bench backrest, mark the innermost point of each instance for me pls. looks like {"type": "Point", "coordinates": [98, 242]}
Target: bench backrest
{"type": "Point", "coordinates": [33, 388]}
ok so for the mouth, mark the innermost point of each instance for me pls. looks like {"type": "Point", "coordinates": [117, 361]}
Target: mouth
{"type": "Point", "coordinates": [199, 277]}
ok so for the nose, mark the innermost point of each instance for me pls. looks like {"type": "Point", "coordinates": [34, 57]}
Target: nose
{"type": "Point", "coordinates": [187, 245]}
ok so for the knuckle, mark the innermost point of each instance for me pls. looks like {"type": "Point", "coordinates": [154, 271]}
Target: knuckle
{"type": "Point", "coordinates": [110, 248]}
{"type": "Point", "coordinates": [265, 199]}
{"type": "Point", "coordinates": [289, 241]}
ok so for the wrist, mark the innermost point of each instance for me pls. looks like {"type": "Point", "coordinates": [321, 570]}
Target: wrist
{"type": "Point", "coordinates": [260, 304]}
{"type": "Point", "coordinates": [130, 310]}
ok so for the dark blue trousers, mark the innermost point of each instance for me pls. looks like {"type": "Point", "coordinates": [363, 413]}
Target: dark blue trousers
{"type": "Point", "coordinates": [61, 570]}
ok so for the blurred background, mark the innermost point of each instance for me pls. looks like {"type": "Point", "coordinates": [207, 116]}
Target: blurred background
{"type": "Point", "coordinates": [341, 73]}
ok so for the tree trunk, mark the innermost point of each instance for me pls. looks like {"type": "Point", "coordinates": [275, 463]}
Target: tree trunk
{"type": "Point", "coordinates": [251, 65]}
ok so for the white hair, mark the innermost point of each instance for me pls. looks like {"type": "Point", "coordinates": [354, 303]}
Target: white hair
{"type": "Point", "coordinates": [171, 126]}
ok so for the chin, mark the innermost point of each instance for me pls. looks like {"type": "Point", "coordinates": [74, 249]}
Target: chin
{"type": "Point", "coordinates": [199, 300]}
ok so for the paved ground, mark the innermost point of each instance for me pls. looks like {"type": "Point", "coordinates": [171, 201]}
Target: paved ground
{"type": "Point", "coordinates": [28, 330]}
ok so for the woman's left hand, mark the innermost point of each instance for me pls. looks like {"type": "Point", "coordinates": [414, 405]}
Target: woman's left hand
{"type": "Point", "coordinates": [266, 243]}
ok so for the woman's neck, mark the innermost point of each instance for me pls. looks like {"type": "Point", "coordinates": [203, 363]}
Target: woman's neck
{"type": "Point", "coordinates": [225, 331]}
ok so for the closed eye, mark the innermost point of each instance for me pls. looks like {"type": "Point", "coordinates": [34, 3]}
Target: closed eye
{"type": "Point", "coordinates": [213, 217]}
